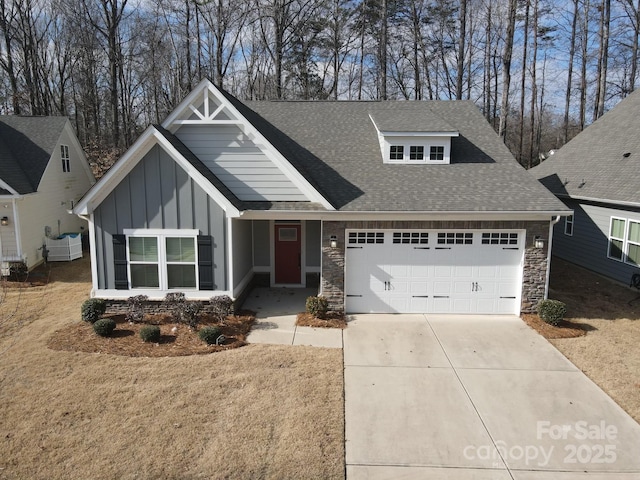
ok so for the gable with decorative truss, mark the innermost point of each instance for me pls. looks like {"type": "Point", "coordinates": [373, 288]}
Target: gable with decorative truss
{"type": "Point", "coordinates": [235, 151]}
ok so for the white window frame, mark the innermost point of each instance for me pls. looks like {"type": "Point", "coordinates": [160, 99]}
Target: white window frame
{"type": "Point", "coordinates": [568, 225]}
{"type": "Point", "coordinates": [161, 235]}
{"type": "Point", "coordinates": [625, 240]}
{"type": "Point", "coordinates": [64, 157]}
{"type": "Point", "coordinates": [610, 238]}
{"type": "Point", "coordinates": [628, 242]}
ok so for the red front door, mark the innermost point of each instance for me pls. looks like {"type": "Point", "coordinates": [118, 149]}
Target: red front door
{"type": "Point", "coordinates": [288, 253]}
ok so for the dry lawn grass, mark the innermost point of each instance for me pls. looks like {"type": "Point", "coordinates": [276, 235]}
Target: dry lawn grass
{"type": "Point", "coordinates": [254, 412]}
{"type": "Point", "coordinates": [609, 352]}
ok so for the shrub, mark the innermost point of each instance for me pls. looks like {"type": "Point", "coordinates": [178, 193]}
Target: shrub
{"type": "Point", "coordinates": [150, 333]}
{"type": "Point", "coordinates": [552, 311]}
{"type": "Point", "coordinates": [190, 312]}
{"type": "Point", "coordinates": [104, 327]}
{"type": "Point", "coordinates": [317, 306]}
{"type": "Point", "coordinates": [221, 307]}
{"type": "Point", "coordinates": [182, 310]}
{"type": "Point", "coordinates": [93, 309]}
{"type": "Point", "coordinates": [135, 308]}
{"type": "Point", "coordinates": [210, 334]}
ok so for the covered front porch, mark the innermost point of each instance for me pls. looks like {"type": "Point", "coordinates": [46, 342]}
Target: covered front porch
{"type": "Point", "coordinates": [275, 253]}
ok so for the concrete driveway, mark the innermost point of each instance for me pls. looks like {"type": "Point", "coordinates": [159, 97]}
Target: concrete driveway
{"type": "Point", "coordinates": [448, 397]}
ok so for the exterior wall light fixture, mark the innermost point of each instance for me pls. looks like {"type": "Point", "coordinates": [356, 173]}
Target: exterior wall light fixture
{"type": "Point", "coordinates": [538, 242]}
{"type": "Point", "coordinates": [333, 241]}
{"type": "Point", "coordinates": [4, 221]}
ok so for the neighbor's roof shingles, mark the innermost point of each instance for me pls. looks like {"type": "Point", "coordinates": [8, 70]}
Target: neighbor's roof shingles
{"type": "Point", "coordinates": [593, 164]}
{"type": "Point", "coordinates": [26, 145]}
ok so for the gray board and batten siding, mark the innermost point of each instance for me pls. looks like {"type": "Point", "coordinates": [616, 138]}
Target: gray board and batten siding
{"type": "Point", "coordinates": [158, 193]}
{"type": "Point", "coordinates": [241, 165]}
{"type": "Point", "coordinates": [589, 244]}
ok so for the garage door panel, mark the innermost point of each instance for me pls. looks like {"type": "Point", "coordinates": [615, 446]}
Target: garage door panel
{"type": "Point", "coordinates": [458, 277]}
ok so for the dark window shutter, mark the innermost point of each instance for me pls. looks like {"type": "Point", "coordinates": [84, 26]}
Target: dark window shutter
{"type": "Point", "coordinates": [205, 262]}
{"type": "Point", "coordinates": [120, 262]}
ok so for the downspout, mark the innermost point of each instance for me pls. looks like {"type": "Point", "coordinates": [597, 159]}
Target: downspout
{"type": "Point", "coordinates": [550, 241]}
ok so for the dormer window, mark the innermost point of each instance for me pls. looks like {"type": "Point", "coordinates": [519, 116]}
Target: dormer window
{"type": "Point", "coordinates": [436, 153]}
{"type": "Point", "coordinates": [423, 145]}
{"type": "Point", "coordinates": [416, 152]}
{"type": "Point", "coordinates": [396, 152]}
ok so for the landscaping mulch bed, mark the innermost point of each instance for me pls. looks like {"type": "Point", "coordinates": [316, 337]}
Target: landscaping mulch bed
{"type": "Point", "coordinates": [176, 339]}
{"type": "Point", "coordinates": [564, 329]}
{"type": "Point", "coordinates": [331, 320]}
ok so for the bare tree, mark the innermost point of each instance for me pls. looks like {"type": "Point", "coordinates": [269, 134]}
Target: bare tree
{"type": "Point", "coordinates": [506, 67]}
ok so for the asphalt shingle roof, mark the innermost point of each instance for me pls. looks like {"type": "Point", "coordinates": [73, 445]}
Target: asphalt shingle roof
{"type": "Point", "coordinates": [603, 161]}
{"type": "Point", "coordinates": [26, 145]}
{"type": "Point", "coordinates": [335, 146]}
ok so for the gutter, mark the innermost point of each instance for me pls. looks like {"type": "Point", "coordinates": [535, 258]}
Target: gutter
{"type": "Point", "coordinates": [599, 200]}
{"type": "Point", "coordinates": [402, 215]}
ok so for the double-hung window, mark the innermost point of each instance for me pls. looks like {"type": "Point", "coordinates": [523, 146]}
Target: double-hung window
{"type": "Point", "coordinates": [162, 259]}
{"type": "Point", "coordinates": [624, 240]}
{"type": "Point", "coordinates": [568, 225]}
{"type": "Point", "coordinates": [633, 243]}
{"type": "Point", "coordinates": [64, 156]}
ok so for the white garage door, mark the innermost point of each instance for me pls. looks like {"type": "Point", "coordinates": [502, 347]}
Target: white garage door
{"type": "Point", "coordinates": [434, 271]}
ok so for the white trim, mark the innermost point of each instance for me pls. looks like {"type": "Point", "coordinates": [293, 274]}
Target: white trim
{"type": "Point", "coordinates": [623, 239]}
{"type": "Point", "coordinates": [569, 222]}
{"type": "Point", "coordinates": [385, 215]}
{"type": "Point", "coordinates": [207, 122]}
{"type": "Point", "coordinates": [155, 294]}
{"type": "Point", "coordinates": [229, 253]}
{"type": "Point", "coordinates": [168, 232]}
{"type": "Point", "coordinates": [16, 228]}
{"type": "Point", "coordinates": [243, 283]}
{"type": "Point", "coordinates": [5, 186]}
{"type": "Point", "coordinates": [161, 236]}
{"type": "Point", "coordinates": [151, 137]}
{"type": "Point", "coordinates": [93, 254]}
{"type": "Point", "coordinates": [598, 200]}
{"type": "Point", "coordinates": [450, 133]}
{"type": "Point", "coordinates": [205, 87]}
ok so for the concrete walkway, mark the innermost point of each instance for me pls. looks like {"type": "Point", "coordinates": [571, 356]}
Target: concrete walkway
{"type": "Point", "coordinates": [448, 397]}
{"type": "Point", "coordinates": [276, 310]}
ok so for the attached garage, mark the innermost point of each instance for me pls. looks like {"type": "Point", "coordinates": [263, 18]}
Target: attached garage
{"type": "Point", "coordinates": [432, 271]}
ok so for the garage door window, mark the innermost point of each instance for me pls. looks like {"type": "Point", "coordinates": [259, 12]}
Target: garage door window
{"type": "Point", "coordinates": [455, 238]}
{"type": "Point", "coordinates": [411, 237]}
{"type": "Point", "coordinates": [499, 238]}
{"type": "Point", "coordinates": [366, 237]}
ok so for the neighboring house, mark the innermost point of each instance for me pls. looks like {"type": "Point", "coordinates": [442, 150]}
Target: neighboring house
{"type": "Point", "coordinates": [597, 175]}
{"type": "Point", "coordinates": [43, 172]}
{"type": "Point", "coordinates": [387, 206]}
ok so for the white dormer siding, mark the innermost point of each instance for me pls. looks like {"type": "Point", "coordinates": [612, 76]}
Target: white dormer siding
{"type": "Point", "coordinates": [424, 147]}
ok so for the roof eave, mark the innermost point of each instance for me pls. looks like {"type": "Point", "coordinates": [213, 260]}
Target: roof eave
{"type": "Point", "coordinates": [598, 200]}
{"type": "Point", "coordinates": [543, 215]}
